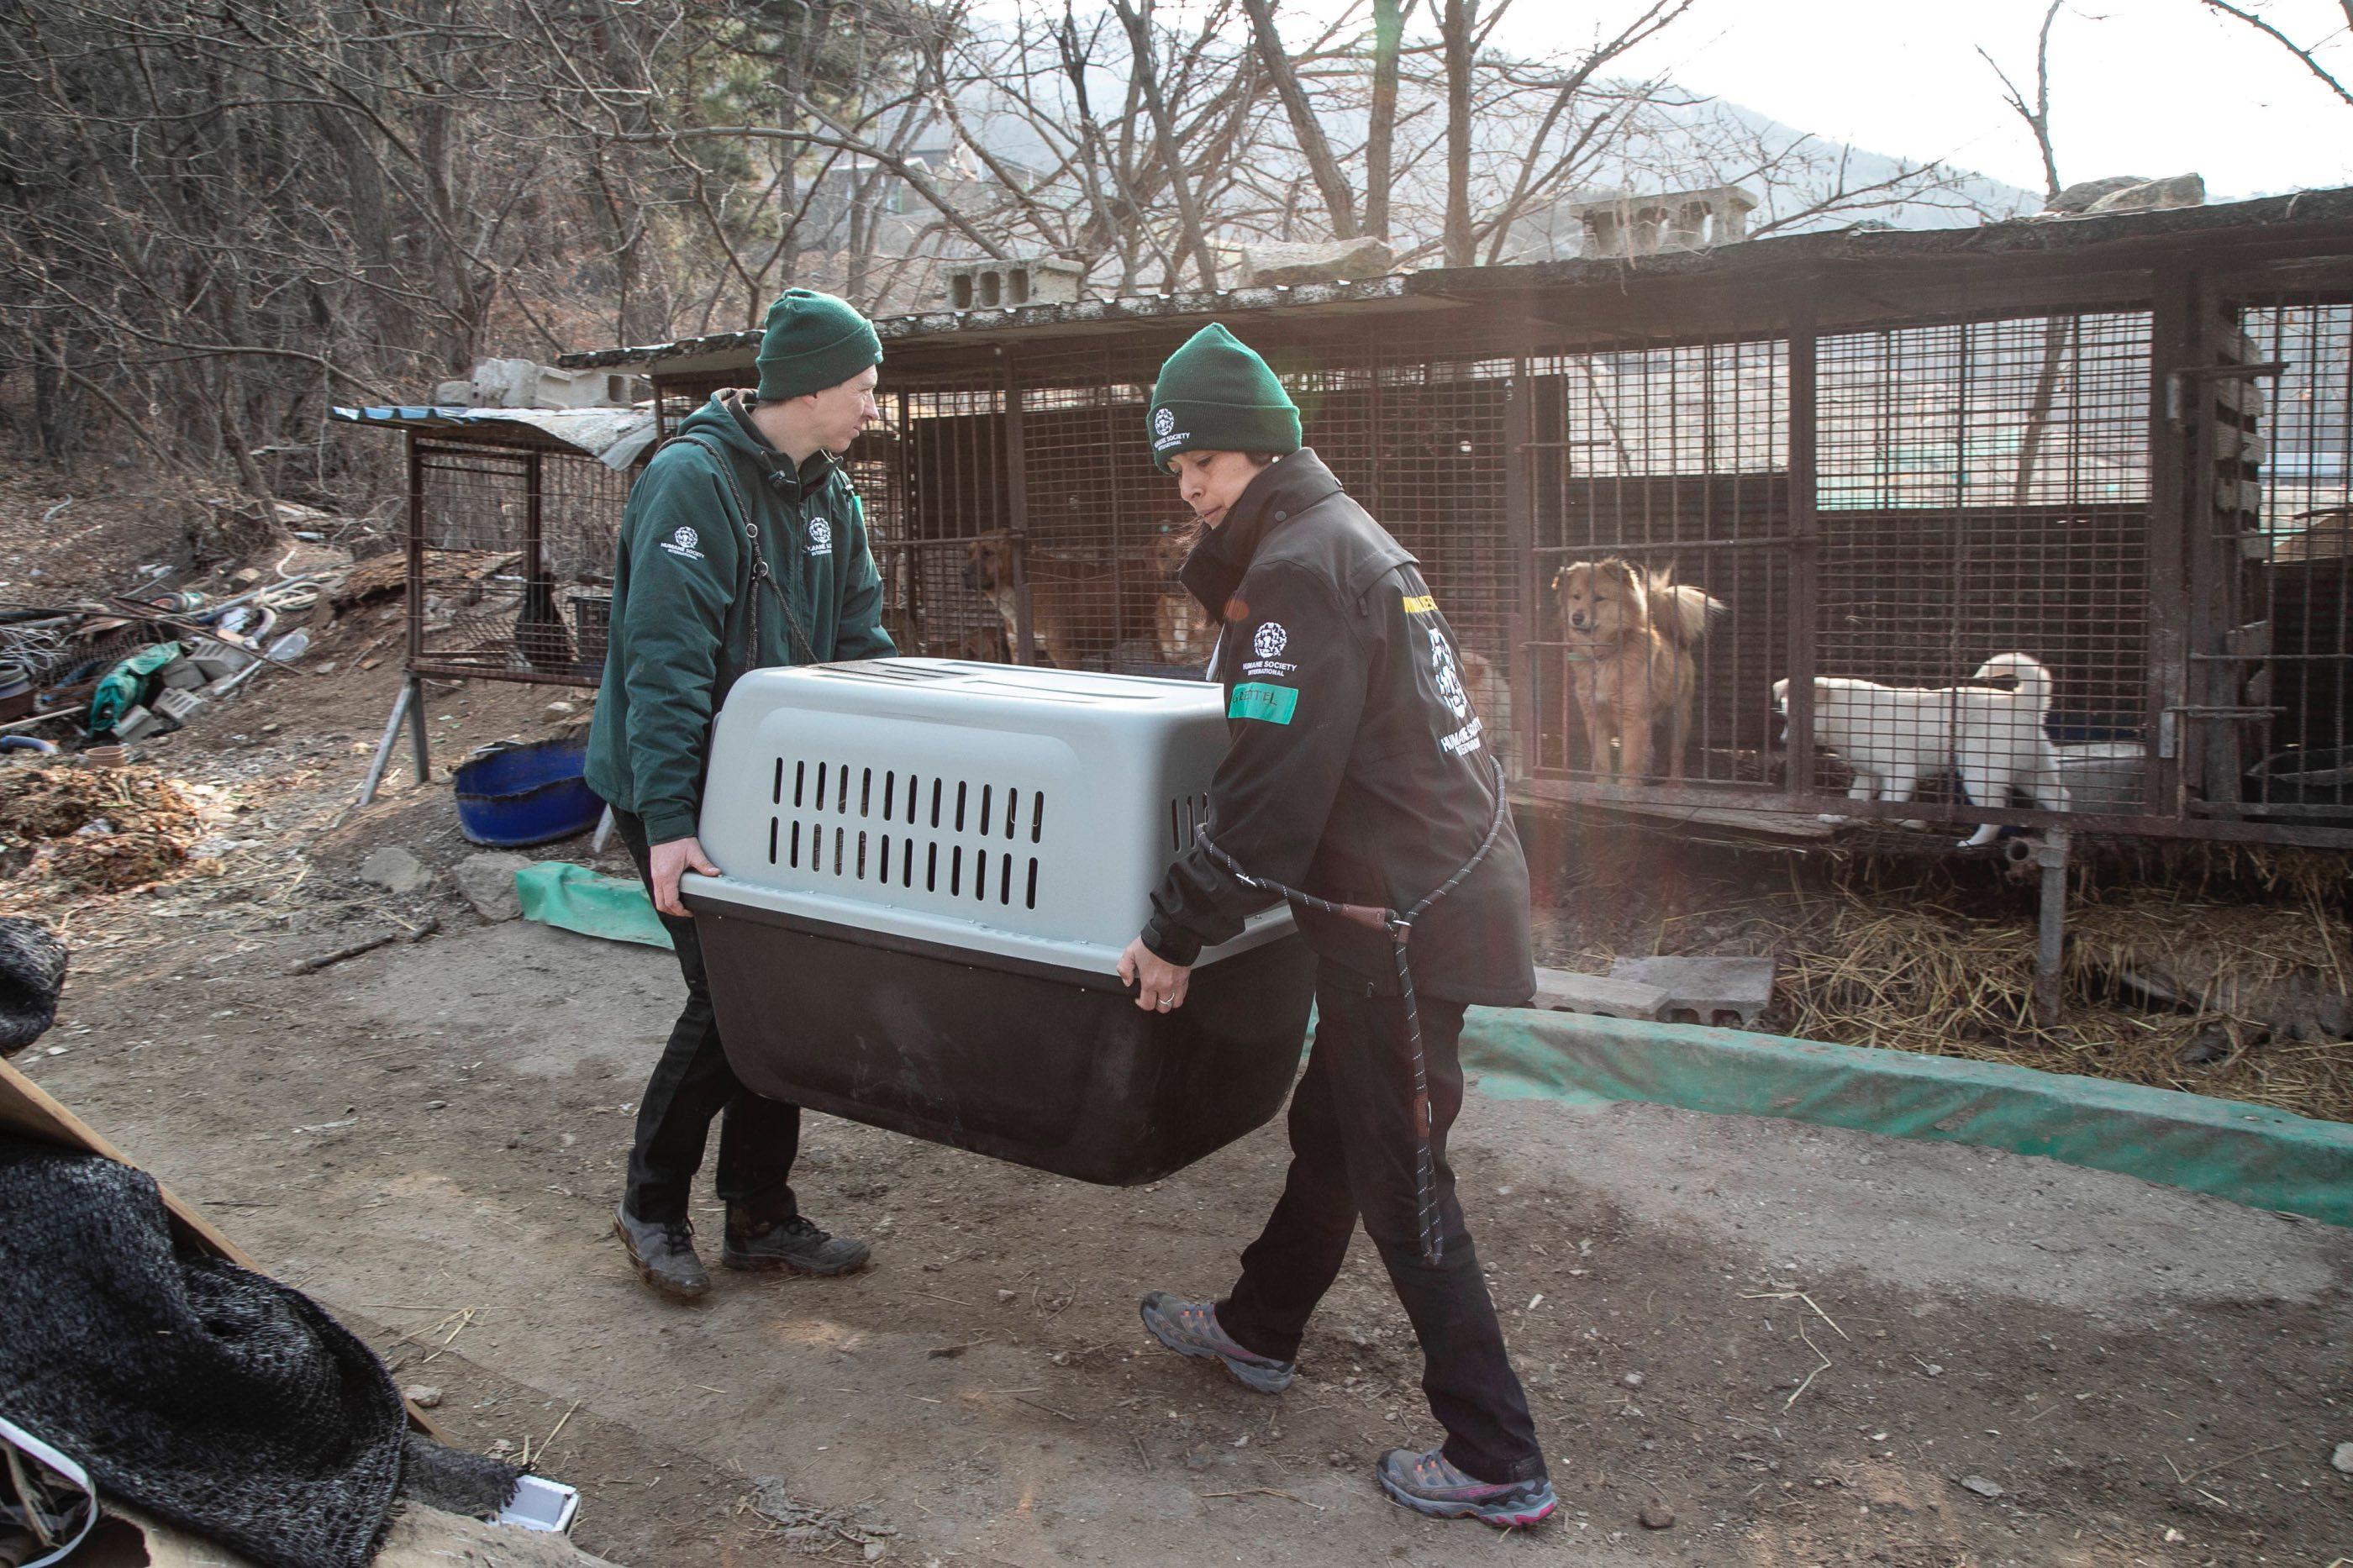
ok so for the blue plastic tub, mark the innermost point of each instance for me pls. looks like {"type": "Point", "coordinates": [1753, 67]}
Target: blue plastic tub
{"type": "Point", "coordinates": [520, 796]}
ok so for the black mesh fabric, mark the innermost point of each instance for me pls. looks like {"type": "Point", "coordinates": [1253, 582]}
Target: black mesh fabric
{"type": "Point", "coordinates": [215, 1397]}
{"type": "Point", "coordinates": [32, 966]}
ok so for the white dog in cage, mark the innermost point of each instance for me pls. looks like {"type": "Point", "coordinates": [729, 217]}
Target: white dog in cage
{"type": "Point", "coordinates": [1894, 736]}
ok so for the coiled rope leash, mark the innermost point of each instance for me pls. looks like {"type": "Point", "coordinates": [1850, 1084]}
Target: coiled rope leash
{"type": "Point", "coordinates": [1399, 927]}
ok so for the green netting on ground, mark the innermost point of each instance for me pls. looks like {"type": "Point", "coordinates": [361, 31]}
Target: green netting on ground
{"type": "Point", "coordinates": [574, 898]}
{"type": "Point", "coordinates": [2248, 1153]}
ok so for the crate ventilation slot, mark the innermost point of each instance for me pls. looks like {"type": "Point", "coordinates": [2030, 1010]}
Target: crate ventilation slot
{"type": "Point", "coordinates": [855, 823]}
{"type": "Point", "coordinates": [1187, 814]}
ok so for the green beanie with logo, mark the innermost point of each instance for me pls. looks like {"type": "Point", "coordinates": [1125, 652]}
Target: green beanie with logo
{"type": "Point", "coordinates": [812, 341]}
{"type": "Point", "coordinates": [1215, 394]}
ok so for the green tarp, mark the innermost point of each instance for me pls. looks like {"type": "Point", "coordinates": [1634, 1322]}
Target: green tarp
{"type": "Point", "coordinates": [2250, 1154]}
{"type": "Point", "coordinates": [572, 897]}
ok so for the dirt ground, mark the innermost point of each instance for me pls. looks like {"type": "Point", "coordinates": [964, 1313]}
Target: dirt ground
{"type": "Point", "coordinates": [1811, 1346]}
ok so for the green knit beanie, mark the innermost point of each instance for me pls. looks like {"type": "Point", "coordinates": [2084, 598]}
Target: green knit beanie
{"type": "Point", "coordinates": [1215, 394]}
{"type": "Point", "coordinates": [812, 341]}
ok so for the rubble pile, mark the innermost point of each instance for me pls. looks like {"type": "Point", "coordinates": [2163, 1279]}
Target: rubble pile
{"type": "Point", "coordinates": [68, 829]}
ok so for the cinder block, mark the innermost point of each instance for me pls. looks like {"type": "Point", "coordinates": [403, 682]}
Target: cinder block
{"type": "Point", "coordinates": [1705, 988]}
{"type": "Point", "coordinates": [181, 674]}
{"type": "Point", "coordinates": [179, 706]}
{"type": "Point", "coordinates": [135, 722]}
{"type": "Point", "coordinates": [218, 661]}
{"type": "Point", "coordinates": [1566, 990]}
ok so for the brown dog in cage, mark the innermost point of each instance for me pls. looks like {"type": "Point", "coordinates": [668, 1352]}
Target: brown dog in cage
{"type": "Point", "coordinates": [1075, 606]}
{"type": "Point", "coordinates": [1631, 634]}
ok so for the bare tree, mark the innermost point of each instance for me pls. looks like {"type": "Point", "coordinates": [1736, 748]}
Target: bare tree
{"type": "Point", "coordinates": [2058, 331]}
{"type": "Point", "coordinates": [2037, 115]}
{"type": "Point", "coordinates": [1339, 201]}
{"type": "Point", "coordinates": [219, 217]}
{"type": "Point", "coordinates": [2309, 56]}
{"type": "Point", "coordinates": [1460, 18]}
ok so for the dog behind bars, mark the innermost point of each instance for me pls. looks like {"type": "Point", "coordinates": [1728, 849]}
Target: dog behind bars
{"type": "Point", "coordinates": [1079, 609]}
{"type": "Point", "coordinates": [1895, 736]}
{"type": "Point", "coordinates": [1631, 634]}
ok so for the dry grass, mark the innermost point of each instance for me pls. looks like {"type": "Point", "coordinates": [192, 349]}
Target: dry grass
{"type": "Point", "coordinates": [1924, 977]}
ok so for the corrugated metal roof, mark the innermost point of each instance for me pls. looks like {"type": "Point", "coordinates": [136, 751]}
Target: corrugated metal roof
{"type": "Point", "coordinates": [615, 437]}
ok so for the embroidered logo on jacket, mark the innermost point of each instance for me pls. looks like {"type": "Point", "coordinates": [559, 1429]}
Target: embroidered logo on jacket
{"type": "Point", "coordinates": [1269, 640]}
{"type": "Point", "coordinates": [1451, 691]}
{"type": "Point", "coordinates": [820, 537]}
{"type": "Point", "coordinates": [1450, 677]}
{"type": "Point", "coordinates": [682, 545]}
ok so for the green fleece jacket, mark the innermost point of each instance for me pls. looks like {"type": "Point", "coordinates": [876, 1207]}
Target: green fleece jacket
{"type": "Point", "coordinates": [682, 584]}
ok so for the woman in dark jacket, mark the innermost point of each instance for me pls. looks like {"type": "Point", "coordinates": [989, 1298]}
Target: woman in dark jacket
{"type": "Point", "coordinates": [1360, 781]}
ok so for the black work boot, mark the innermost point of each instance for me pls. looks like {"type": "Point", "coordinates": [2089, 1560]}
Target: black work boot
{"type": "Point", "coordinates": [663, 1251]}
{"type": "Point", "coordinates": [792, 1243]}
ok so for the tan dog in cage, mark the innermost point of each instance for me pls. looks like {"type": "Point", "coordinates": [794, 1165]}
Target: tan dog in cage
{"type": "Point", "coordinates": [1182, 629]}
{"type": "Point", "coordinates": [1631, 634]}
{"type": "Point", "coordinates": [1076, 607]}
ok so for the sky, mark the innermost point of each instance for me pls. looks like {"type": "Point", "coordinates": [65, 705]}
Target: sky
{"type": "Point", "coordinates": [2137, 86]}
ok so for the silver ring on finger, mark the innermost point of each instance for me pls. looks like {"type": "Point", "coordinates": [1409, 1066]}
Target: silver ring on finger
{"type": "Point", "coordinates": [1165, 1004]}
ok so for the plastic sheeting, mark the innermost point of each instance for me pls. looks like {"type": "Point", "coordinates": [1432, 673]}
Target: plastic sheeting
{"type": "Point", "coordinates": [2248, 1153]}
{"type": "Point", "coordinates": [572, 897]}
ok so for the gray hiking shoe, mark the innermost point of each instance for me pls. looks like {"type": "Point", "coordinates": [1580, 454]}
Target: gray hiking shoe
{"type": "Point", "coordinates": [794, 1245]}
{"type": "Point", "coordinates": [663, 1251]}
{"type": "Point", "coordinates": [1190, 1329]}
{"type": "Point", "coordinates": [1429, 1484]}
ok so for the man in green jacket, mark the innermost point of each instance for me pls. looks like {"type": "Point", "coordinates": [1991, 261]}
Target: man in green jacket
{"type": "Point", "coordinates": [742, 547]}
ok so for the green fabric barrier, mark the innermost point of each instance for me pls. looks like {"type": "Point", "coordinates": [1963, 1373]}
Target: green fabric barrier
{"type": "Point", "coordinates": [572, 897]}
{"type": "Point", "coordinates": [2248, 1153]}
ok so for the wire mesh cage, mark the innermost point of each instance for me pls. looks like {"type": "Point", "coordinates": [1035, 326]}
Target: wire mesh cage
{"type": "Point", "coordinates": [1982, 496]}
{"type": "Point", "coordinates": [513, 548]}
{"type": "Point", "coordinates": [2284, 512]}
{"type": "Point", "coordinates": [1659, 481]}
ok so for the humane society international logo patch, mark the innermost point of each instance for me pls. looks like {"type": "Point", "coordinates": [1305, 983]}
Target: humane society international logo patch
{"type": "Point", "coordinates": [681, 543]}
{"type": "Point", "coordinates": [820, 537]}
{"type": "Point", "coordinates": [1271, 639]}
{"type": "Point", "coordinates": [1164, 421]}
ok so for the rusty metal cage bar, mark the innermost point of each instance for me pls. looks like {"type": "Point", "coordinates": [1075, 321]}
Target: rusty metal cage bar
{"type": "Point", "coordinates": [1965, 489]}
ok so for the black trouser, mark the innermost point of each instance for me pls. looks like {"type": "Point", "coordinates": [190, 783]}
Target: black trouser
{"type": "Point", "coordinates": [692, 1083]}
{"type": "Point", "coordinates": [1352, 1157]}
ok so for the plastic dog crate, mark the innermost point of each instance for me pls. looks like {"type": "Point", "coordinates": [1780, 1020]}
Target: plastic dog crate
{"type": "Point", "coordinates": [930, 869]}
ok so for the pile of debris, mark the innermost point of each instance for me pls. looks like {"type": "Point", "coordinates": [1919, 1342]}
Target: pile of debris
{"type": "Point", "coordinates": [147, 661]}
{"type": "Point", "coordinates": [67, 828]}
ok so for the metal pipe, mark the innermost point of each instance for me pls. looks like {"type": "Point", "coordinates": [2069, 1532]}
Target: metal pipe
{"type": "Point", "coordinates": [383, 747]}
